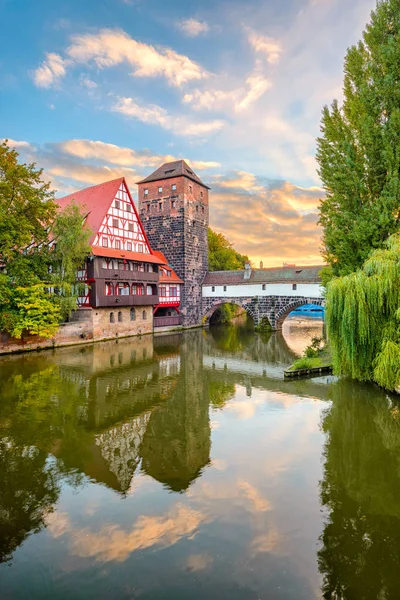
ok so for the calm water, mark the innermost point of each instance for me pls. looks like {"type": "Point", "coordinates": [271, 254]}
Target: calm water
{"type": "Point", "coordinates": [185, 467]}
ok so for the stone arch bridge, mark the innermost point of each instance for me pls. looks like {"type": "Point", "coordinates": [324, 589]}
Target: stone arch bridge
{"type": "Point", "coordinates": [263, 293]}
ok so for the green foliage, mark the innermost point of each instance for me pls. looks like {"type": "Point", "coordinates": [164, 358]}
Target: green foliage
{"type": "Point", "coordinates": [30, 310]}
{"type": "Point", "coordinates": [359, 149]}
{"type": "Point", "coordinates": [225, 313]}
{"type": "Point", "coordinates": [221, 254]}
{"type": "Point", "coordinates": [72, 242]}
{"type": "Point", "coordinates": [38, 287]}
{"type": "Point", "coordinates": [363, 319]}
{"type": "Point", "coordinates": [26, 205]}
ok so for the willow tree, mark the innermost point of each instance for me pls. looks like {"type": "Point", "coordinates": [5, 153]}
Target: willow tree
{"type": "Point", "coordinates": [359, 149]}
{"type": "Point", "coordinates": [363, 319]}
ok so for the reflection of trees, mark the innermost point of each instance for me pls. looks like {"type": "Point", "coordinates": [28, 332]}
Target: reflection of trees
{"type": "Point", "coordinates": [239, 340]}
{"type": "Point", "coordinates": [28, 490]}
{"type": "Point", "coordinates": [361, 488]}
{"type": "Point", "coordinates": [176, 445]}
{"type": "Point", "coordinates": [220, 392]}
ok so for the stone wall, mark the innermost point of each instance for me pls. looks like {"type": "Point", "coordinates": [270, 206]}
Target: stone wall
{"type": "Point", "coordinates": [87, 325]}
{"type": "Point", "coordinates": [176, 222]}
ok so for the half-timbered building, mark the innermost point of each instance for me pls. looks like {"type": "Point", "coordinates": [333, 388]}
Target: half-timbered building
{"type": "Point", "coordinates": [121, 273]}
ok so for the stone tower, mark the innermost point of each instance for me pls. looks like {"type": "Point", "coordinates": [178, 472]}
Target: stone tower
{"type": "Point", "coordinates": [173, 207]}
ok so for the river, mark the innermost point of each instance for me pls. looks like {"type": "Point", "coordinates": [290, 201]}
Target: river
{"type": "Point", "coordinates": [185, 467]}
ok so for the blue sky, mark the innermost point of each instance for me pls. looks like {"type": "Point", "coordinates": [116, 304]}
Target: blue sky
{"type": "Point", "coordinates": [98, 89]}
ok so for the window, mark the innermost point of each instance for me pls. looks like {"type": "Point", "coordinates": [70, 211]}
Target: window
{"type": "Point", "coordinates": [117, 244]}
{"type": "Point", "coordinates": [140, 248]}
{"type": "Point", "coordinates": [134, 289]}
{"type": "Point", "coordinates": [139, 289]}
{"type": "Point", "coordinates": [149, 290]}
{"type": "Point", "coordinates": [213, 288]}
{"type": "Point", "coordinates": [146, 192]}
{"type": "Point", "coordinates": [202, 209]}
{"type": "Point", "coordinates": [117, 204]}
{"type": "Point", "coordinates": [172, 203]}
{"type": "Point", "coordinates": [109, 289]}
{"type": "Point", "coordinates": [173, 292]}
{"type": "Point", "coordinates": [173, 187]}
{"type": "Point", "coordinates": [129, 246]}
{"type": "Point", "coordinates": [201, 194]}
{"type": "Point", "coordinates": [123, 289]}
{"type": "Point", "coordinates": [133, 314]}
{"type": "Point", "coordinates": [160, 190]}
{"type": "Point", "coordinates": [190, 189]}
{"type": "Point", "coordinates": [104, 242]}
{"type": "Point", "coordinates": [112, 318]}
{"type": "Point", "coordinates": [115, 222]}
{"type": "Point", "coordinates": [197, 208]}
{"type": "Point", "coordinates": [128, 208]}
{"type": "Point", "coordinates": [294, 286]}
{"type": "Point", "coordinates": [130, 226]}
{"type": "Point", "coordinates": [264, 287]}
{"type": "Point", "coordinates": [121, 265]}
{"type": "Point", "coordinates": [148, 207]}
{"type": "Point", "coordinates": [104, 263]}
{"type": "Point", "coordinates": [119, 317]}
{"type": "Point", "coordinates": [144, 315]}
{"type": "Point", "coordinates": [224, 288]}
{"type": "Point", "coordinates": [163, 292]}
{"type": "Point", "coordinates": [160, 206]}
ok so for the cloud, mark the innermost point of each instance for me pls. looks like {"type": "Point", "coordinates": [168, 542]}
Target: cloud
{"type": "Point", "coordinates": [156, 115]}
{"type": "Point", "coordinates": [193, 27]}
{"type": "Point", "coordinates": [280, 222]}
{"type": "Point", "coordinates": [111, 47]}
{"type": "Point", "coordinates": [17, 144]}
{"type": "Point", "coordinates": [87, 82]}
{"type": "Point", "coordinates": [111, 543]}
{"type": "Point", "coordinates": [267, 46]}
{"type": "Point", "coordinates": [52, 69]}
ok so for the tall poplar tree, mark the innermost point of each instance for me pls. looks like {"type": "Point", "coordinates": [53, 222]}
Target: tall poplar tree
{"type": "Point", "coordinates": [359, 149]}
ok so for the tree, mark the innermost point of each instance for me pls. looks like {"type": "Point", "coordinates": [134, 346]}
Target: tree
{"type": "Point", "coordinates": [26, 206]}
{"type": "Point", "coordinates": [359, 149]}
{"type": "Point", "coordinates": [363, 319]}
{"type": "Point", "coordinates": [221, 254]}
{"type": "Point", "coordinates": [39, 286]}
{"type": "Point", "coordinates": [71, 237]}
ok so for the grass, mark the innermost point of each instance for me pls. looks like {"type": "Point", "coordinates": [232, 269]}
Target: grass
{"type": "Point", "coordinates": [322, 359]}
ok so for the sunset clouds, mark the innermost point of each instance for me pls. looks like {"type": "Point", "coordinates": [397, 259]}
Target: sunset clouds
{"type": "Point", "coordinates": [235, 88]}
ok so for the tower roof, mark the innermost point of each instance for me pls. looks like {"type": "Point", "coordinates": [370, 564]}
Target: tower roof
{"type": "Point", "coordinates": [177, 168]}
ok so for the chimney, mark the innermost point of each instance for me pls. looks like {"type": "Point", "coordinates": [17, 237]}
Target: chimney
{"type": "Point", "coordinates": [247, 270]}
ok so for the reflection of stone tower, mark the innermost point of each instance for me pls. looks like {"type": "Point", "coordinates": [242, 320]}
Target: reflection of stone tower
{"type": "Point", "coordinates": [173, 206]}
{"type": "Point", "coordinates": [176, 445]}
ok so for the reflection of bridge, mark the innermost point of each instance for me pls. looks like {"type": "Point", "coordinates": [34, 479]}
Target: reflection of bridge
{"type": "Point", "coordinates": [265, 294]}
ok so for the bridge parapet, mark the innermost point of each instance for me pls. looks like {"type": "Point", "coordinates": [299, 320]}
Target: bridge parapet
{"type": "Point", "coordinates": [273, 308]}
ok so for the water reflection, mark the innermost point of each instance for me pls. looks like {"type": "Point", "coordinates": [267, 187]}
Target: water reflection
{"type": "Point", "coordinates": [189, 456]}
{"type": "Point", "coordinates": [361, 491]}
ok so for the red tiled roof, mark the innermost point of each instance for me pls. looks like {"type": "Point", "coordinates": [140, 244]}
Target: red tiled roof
{"type": "Point", "coordinates": [177, 168]}
{"type": "Point", "coordinates": [165, 278]}
{"type": "Point", "coordinates": [138, 256]}
{"type": "Point", "coordinates": [96, 200]}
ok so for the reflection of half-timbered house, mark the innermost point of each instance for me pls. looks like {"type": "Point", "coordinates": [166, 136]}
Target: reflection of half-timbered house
{"type": "Point", "coordinates": [121, 273]}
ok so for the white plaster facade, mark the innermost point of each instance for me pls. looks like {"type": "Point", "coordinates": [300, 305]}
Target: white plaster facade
{"type": "Point", "coordinates": [308, 290]}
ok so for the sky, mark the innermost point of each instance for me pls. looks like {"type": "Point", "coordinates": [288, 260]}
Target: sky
{"type": "Point", "coordinates": [95, 90]}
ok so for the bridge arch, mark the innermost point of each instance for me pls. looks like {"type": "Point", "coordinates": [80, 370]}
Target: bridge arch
{"type": "Point", "coordinates": [281, 314]}
{"type": "Point", "coordinates": [216, 303]}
